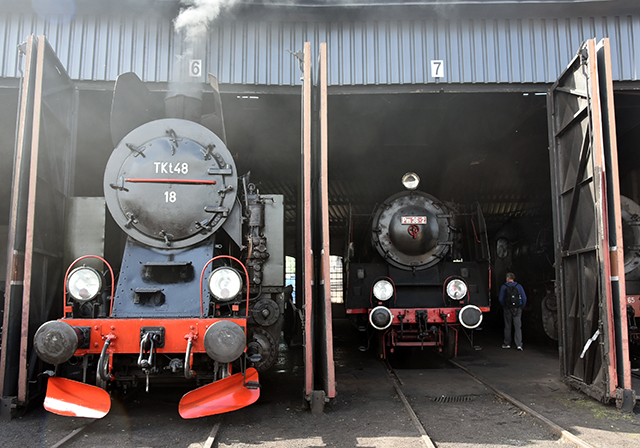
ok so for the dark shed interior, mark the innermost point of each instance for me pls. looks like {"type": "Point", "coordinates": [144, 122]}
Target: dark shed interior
{"type": "Point", "coordinates": [489, 148]}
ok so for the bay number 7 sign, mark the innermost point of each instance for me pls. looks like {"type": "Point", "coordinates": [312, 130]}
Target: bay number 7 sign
{"type": "Point", "coordinates": [437, 69]}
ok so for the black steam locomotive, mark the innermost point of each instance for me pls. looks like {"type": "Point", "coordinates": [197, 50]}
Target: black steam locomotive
{"type": "Point", "coordinates": [200, 294]}
{"type": "Point", "coordinates": [428, 276]}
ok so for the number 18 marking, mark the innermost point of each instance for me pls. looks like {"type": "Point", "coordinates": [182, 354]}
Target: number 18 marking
{"type": "Point", "coordinates": [170, 196]}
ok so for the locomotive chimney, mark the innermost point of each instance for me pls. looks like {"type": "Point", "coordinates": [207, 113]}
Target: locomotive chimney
{"type": "Point", "coordinates": [184, 98]}
{"type": "Point", "coordinates": [179, 104]}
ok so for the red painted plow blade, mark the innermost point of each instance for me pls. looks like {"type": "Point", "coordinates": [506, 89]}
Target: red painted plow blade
{"type": "Point", "coordinates": [73, 399]}
{"type": "Point", "coordinates": [225, 395]}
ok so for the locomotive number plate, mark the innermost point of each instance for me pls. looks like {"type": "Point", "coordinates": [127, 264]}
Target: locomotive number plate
{"type": "Point", "coordinates": [414, 220]}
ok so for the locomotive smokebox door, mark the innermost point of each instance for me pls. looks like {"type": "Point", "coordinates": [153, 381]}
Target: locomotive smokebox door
{"type": "Point", "coordinates": [411, 230]}
{"type": "Point", "coordinates": [170, 183]}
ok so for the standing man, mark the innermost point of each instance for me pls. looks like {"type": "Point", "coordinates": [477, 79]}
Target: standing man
{"type": "Point", "coordinates": [513, 299]}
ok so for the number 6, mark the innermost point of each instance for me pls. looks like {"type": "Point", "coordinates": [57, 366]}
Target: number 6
{"type": "Point", "coordinates": [195, 67]}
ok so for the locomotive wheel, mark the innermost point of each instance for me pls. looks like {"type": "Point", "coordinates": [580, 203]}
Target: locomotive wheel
{"type": "Point", "coordinates": [263, 343]}
{"type": "Point", "coordinates": [265, 312]}
{"type": "Point", "coordinates": [550, 316]}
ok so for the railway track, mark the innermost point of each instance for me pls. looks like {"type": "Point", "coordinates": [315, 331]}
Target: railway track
{"type": "Point", "coordinates": [74, 436]}
{"type": "Point", "coordinates": [134, 426]}
{"type": "Point", "coordinates": [140, 419]}
{"type": "Point", "coordinates": [447, 405]}
{"type": "Point", "coordinates": [503, 400]}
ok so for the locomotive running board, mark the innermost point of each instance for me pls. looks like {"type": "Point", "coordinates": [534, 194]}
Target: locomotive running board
{"type": "Point", "coordinates": [74, 399]}
{"type": "Point", "coordinates": [222, 396]}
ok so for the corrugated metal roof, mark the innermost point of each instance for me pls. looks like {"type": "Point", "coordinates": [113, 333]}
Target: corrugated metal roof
{"type": "Point", "coordinates": [367, 51]}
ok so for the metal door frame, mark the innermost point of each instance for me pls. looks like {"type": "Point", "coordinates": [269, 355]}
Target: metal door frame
{"type": "Point", "coordinates": [326, 365]}
{"type": "Point", "coordinates": [587, 227]}
{"type": "Point", "coordinates": [9, 362]}
{"type": "Point", "coordinates": [305, 213]}
{"type": "Point", "coordinates": [43, 178]}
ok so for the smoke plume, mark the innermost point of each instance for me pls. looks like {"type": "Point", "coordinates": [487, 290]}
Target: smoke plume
{"type": "Point", "coordinates": [195, 17]}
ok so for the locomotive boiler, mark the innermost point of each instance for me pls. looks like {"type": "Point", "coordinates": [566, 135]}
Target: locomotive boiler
{"type": "Point", "coordinates": [199, 297]}
{"type": "Point", "coordinates": [426, 279]}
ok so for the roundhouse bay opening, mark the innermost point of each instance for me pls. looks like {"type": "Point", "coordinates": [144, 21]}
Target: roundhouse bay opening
{"type": "Point", "coordinates": [486, 150]}
{"type": "Point", "coordinates": [489, 148]}
{"type": "Point", "coordinates": [100, 125]}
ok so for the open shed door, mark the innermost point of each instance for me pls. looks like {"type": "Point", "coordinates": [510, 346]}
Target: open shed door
{"type": "Point", "coordinates": [41, 182]}
{"type": "Point", "coordinates": [319, 385]}
{"type": "Point", "coordinates": [306, 249]}
{"type": "Point", "coordinates": [325, 368]}
{"type": "Point", "coordinates": [587, 227]}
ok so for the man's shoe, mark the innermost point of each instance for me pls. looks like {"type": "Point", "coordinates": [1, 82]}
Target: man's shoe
{"type": "Point", "coordinates": [519, 348]}
{"type": "Point", "coordinates": [506, 346]}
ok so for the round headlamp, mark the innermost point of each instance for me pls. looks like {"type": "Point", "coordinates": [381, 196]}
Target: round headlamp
{"type": "Point", "coordinates": [470, 317]}
{"type": "Point", "coordinates": [225, 283]}
{"type": "Point", "coordinates": [84, 284]}
{"type": "Point", "coordinates": [411, 181]}
{"type": "Point", "coordinates": [380, 318]}
{"type": "Point", "coordinates": [456, 289]}
{"type": "Point", "coordinates": [383, 290]}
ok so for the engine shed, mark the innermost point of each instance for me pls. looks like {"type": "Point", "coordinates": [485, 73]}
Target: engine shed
{"type": "Point", "coordinates": [459, 92]}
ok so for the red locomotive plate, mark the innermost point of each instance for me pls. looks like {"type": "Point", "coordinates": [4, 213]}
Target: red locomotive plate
{"type": "Point", "coordinates": [414, 220]}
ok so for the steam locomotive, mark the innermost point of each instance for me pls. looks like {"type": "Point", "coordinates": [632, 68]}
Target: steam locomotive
{"type": "Point", "coordinates": [428, 276]}
{"type": "Point", "coordinates": [200, 294]}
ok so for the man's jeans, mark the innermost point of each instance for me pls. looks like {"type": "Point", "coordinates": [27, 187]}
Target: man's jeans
{"type": "Point", "coordinates": [513, 316]}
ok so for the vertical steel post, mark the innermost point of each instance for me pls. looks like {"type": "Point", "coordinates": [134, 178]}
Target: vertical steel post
{"type": "Point", "coordinates": [325, 284]}
{"type": "Point", "coordinates": [307, 251]}
{"type": "Point", "coordinates": [17, 224]}
{"type": "Point", "coordinates": [31, 212]}
{"type": "Point", "coordinates": [616, 245]}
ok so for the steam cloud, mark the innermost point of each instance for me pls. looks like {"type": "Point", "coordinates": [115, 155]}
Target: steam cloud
{"type": "Point", "coordinates": [194, 19]}
{"type": "Point", "coordinates": [192, 24]}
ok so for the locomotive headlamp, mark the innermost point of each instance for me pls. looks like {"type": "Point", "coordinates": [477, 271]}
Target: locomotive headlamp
{"type": "Point", "coordinates": [411, 181]}
{"type": "Point", "coordinates": [470, 317]}
{"type": "Point", "coordinates": [456, 289]}
{"type": "Point", "coordinates": [380, 318]}
{"type": "Point", "coordinates": [225, 283]}
{"type": "Point", "coordinates": [84, 284]}
{"type": "Point", "coordinates": [383, 290]}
